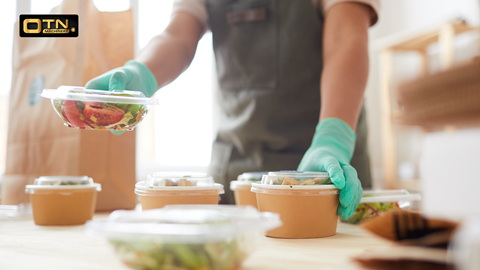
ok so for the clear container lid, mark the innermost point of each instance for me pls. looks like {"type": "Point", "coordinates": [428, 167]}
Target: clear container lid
{"type": "Point", "coordinates": [394, 195]}
{"type": "Point", "coordinates": [295, 183]}
{"type": "Point", "coordinates": [78, 93]}
{"type": "Point", "coordinates": [184, 223]}
{"type": "Point", "coordinates": [178, 179]}
{"type": "Point", "coordinates": [246, 179]}
{"type": "Point", "coordinates": [62, 182]}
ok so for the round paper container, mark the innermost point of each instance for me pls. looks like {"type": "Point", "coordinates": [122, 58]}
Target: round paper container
{"type": "Point", "coordinates": [306, 211]}
{"type": "Point", "coordinates": [158, 197]}
{"type": "Point", "coordinates": [243, 194]}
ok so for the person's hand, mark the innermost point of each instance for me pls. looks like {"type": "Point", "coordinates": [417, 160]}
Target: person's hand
{"type": "Point", "coordinates": [132, 76]}
{"type": "Point", "coordinates": [331, 150]}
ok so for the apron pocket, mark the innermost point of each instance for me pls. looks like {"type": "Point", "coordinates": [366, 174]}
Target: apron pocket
{"type": "Point", "coordinates": [244, 40]}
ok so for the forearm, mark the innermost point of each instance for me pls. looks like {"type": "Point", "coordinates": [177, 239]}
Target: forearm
{"type": "Point", "coordinates": [345, 71]}
{"type": "Point", "coordinates": [170, 53]}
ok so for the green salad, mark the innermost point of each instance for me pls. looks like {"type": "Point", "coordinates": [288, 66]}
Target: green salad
{"type": "Point", "coordinates": [92, 115]}
{"type": "Point", "coordinates": [150, 255]}
{"type": "Point", "coordinates": [367, 211]}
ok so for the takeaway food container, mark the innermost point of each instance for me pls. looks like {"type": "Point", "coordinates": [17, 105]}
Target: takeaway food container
{"type": "Point", "coordinates": [89, 109]}
{"type": "Point", "coordinates": [242, 188]}
{"type": "Point", "coordinates": [215, 237]}
{"type": "Point", "coordinates": [63, 200]}
{"type": "Point", "coordinates": [307, 203]}
{"type": "Point", "coordinates": [164, 188]}
{"type": "Point", "coordinates": [376, 202]}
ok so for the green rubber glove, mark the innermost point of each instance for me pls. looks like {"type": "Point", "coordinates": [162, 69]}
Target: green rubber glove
{"type": "Point", "coordinates": [132, 76]}
{"type": "Point", "coordinates": [331, 150]}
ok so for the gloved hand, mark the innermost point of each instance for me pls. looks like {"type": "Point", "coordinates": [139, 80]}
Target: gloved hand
{"type": "Point", "coordinates": [132, 76]}
{"type": "Point", "coordinates": [331, 150]}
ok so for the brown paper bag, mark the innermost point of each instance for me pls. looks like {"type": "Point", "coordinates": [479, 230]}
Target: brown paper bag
{"type": "Point", "coordinates": [38, 142]}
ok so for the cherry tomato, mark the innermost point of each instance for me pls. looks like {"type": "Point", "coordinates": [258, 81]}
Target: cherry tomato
{"type": "Point", "coordinates": [71, 114]}
{"type": "Point", "coordinates": [97, 115]}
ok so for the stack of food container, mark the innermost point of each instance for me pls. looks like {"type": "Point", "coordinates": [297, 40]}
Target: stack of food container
{"type": "Point", "coordinates": [164, 188]}
{"type": "Point", "coordinates": [242, 188]}
{"type": "Point", "coordinates": [63, 200]}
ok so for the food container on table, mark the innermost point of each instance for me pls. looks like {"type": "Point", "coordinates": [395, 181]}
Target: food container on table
{"type": "Point", "coordinates": [306, 201]}
{"type": "Point", "coordinates": [376, 202]}
{"type": "Point", "coordinates": [97, 109]}
{"type": "Point", "coordinates": [164, 188]}
{"type": "Point", "coordinates": [242, 188]}
{"type": "Point", "coordinates": [63, 200]}
{"type": "Point", "coordinates": [194, 237]}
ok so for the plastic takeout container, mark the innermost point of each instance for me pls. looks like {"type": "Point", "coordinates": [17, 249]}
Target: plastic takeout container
{"type": "Point", "coordinates": [14, 212]}
{"type": "Point", "coordinates": [306, 201]}
{"type": "Point", "coordinates": [214, 237]}
{"type": "Point", "coordinates": [376, 202]}
{"type": "Point", "coordinates": [241, 188]}
{"type": "Point", "coordinates": [97, 109]}
{"type": "Point", "coordinates": [63, 200]}
{"type": "Point", "coordinates": [164, 188]}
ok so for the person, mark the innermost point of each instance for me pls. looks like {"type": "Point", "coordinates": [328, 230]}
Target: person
{"type": "Point", "coordinates": [291, 74]}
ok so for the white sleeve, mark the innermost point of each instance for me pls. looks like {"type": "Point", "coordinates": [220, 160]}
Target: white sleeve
{"type": "Point", "coordinates": [374, 4]}
{"type": "Point", "coordinates": [196, 8]}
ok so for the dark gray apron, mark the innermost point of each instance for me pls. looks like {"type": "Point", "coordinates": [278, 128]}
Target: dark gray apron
{"type": "Point", "coordinates": [269, 60]}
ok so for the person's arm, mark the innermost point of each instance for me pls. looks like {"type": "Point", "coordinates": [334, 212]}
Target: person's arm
{"type": "Point", "coordinates": [345, 61]}
{"type": "Point", "coordinates": [170, 53]}
{"type": "Point", "coordinates": [343, 80]}
{"type": "Point", "coordinates": [160, 62]}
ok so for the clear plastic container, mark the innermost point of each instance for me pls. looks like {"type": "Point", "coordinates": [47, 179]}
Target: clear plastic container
{"type": "Point", "coordinates": [376, 202]}
{"type": "Point", "coordinates": [164, 188]}
{"type": "Point", "coordinates": [14, 212]}
{"type": "Point", "coordinates": [97, 109]}
{"type": "Point", "coordinates": [63, 200]}
{"type": "Point", "coordinates": [215, 237]}
{"type": "Point", "coordinates": [241, 188]}
{"type": "Point", "coordinates": [306, 201]}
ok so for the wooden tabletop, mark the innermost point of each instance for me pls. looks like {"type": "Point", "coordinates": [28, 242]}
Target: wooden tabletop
{"type": "Point", "coordinates": [24, 245]}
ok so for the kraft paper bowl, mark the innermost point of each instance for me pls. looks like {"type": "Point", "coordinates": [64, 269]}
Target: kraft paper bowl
{"type": "Point", "coordinates": [307, 211]}
{"type": "Point", "coordinates": [243, 194]}
{"type": "Point", "coordinates": [167, 188]}
{"type": "Point", "coordinates": [62, 202]}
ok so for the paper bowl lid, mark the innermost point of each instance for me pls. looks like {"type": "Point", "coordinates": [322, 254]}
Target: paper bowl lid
{"type": "Point", "coordinates": [296, 178]}
{"type": "Point", "coordinates": [184, 223]}
{"type": "Point", "coordinates": [177, 179]}
{"type": "Point", "coordinates": [393, 195]}
{"type": "Point", "coordinates": [78, 93]}
{"type": "Point", "coordinates": [63, 182]}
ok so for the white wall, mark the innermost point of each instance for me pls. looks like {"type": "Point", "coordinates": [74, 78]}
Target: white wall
{"type": "Point", "coordinates": [409, 15]}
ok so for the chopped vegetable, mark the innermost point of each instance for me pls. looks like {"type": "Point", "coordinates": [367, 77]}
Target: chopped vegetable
{"type": "Point", "coordinates": [100, 116]}
{"type": "Point", "coordinates": [151, 255]}
{"type": "Point", "coordinates": [290, 181]}
{"type": "Point", "coordinates": [367, 211]}
{"type": "Point", "coordinates": [301, 181]}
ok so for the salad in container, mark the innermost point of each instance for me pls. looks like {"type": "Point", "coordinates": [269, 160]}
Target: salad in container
{"type": "Point", "coordinates": [241, 188]}
{"type": "Point", "coordinates": [63, 200]}
{"type": "Point", "coordinates": [89, 109]}
{"type": "Point", "coordinates": [307, 203]}
{"type": "Point", "coordinates": [189, 237]}
{"type": "Point", "coordinates": [164, 188]}
{"type": "Point", "coordinates": [376, 202]}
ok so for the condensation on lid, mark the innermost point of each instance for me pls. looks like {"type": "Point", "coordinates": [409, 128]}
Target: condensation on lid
{"type": "Point", "coordinates": [78, 93]}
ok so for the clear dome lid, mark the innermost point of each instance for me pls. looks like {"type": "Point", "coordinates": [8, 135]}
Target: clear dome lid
{"type": "Point", "coordinates": [63, 182]}
{"type": "Point", "coordinates": [178, 179]}
{"type": "Point", "coordinates": [251, 176]}
{"type": "Point", "coordinates": [78, 93]}
{"type": "Point", "coordinates": [184, 223]}
{"type": "Point", "coordinates": [294, 178]}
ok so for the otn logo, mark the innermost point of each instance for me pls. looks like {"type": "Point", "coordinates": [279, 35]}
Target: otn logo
{"type": "Point", "coordinates": [49, 25]}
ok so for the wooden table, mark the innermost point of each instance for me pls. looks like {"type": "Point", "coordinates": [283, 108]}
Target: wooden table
{"type": "Point", "coordinates": [24, 245]}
